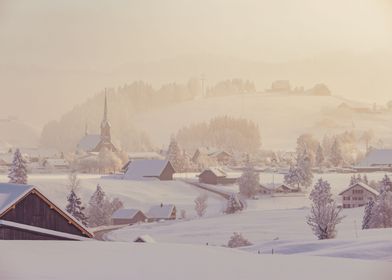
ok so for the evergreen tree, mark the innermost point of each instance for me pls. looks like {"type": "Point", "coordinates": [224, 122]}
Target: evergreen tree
{"type": "Point", "coordinates": [365, 179]}
{"type": "Point", "coordinates": [386, 183]}
{"type": "Point", "coordinates": [249, 181]}
{"type": "Point", "coordinates": [336, 153]}
{"type": "Point", "coordinates": [75, 208]}
{"type": "Point", "coordinates": [319, 156]}
{"type": "Point", "coordinates": [324, 214]}
{"type": "Point", "coordinates": [353, 180]}
{"type": "Point", "coordinates": [175, 156]}
{"type": "Point", "coordinates": [18, 171]}
{"type": "Point", "coordinates": [293, 177]}
{"type": "Point", "coordinates": [234, 204]}
{"type": "Point", "coordinates": [367, 217]}
{"type": "Point", "coordinates": [305, 169]}
{"type": "Point", "coordinates": [99, 208]}
{"type": "Point", "coordinates": [381, 216]}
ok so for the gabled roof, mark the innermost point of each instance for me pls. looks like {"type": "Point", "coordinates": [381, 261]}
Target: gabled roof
{"type": "Point", "coordinates": [377, 157]}
{"type": "Point", "coordinates": [161, 211]}
{"type": "Point", "coordinates": [89, 142]}
{"type": "Point", "coordinates": [362, 185]}
{"type": "Point", "coordinates": [42, 230]}
{"type": "Point", "coordinates": [218, 172]}
{"type": "Point", "coordinates": [11, 194]}
{"type": "Point", "coordinates": [125, 213]}
{"type": "Point", "coordinates": [273, 186]}
{"type": "Point", "coordinates": [144, 238]}
{"type": "Point", "coordinates": [145, 168]}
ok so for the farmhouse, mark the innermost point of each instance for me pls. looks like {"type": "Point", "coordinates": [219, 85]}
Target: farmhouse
{"type": "Point", "coordinates": [162, 212]}
{"type": "Point", "coordinates": [358, 195]}
{"type": "Point", "coordinates": [56, 163]}
{"type": "Point", "coordinates": [216, 176]}
{"type": "Point", "coordinates": [128, 217]}
{"type": "Point", "coordinates": [149, 169]}
{"type": "Point", "coordinates": [26, 214]}
{"type": "Point", "coordinates": [270, 188]}
{"type": "Point", "coordinates": [376, 160]}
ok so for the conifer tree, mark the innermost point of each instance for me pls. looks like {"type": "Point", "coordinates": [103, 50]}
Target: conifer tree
{"type": "Point", "coordinates": [234, 204]}
{"type": "Point", "coordinates": [18, 171]}
{"type": "Point", "coordinates": [367, 217]}
{"type": "Point", "coordinates": [75, 208]}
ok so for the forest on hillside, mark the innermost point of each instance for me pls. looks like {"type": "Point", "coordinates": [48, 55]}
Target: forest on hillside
{"type": "Point", "coordinates": [124, 103]}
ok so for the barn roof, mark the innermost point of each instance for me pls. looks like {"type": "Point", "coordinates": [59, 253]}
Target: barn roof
{"type": "Point", "coordinates": [161, 211]}
{"type": "Point", "coordinates": [218, 172]}
{"type": "Point", "coordinates": [273, 186]}
{"type": "Point", "coordinates": [42, 230]}
{"type": "Point", "coordinates": [144, 168]}
{"type": "Point", "coordinates": [125, 213]}
{"type": "Point", "coordinates": [362, 185]}
{"type": "Point", "coordinates": [11, 194]}
{"type": "Point", "coordinates": [377, 157]}
{"type": "Point", "coordinates": [89, 142]}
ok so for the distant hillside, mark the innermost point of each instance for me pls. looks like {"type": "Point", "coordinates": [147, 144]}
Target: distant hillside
{"type": "Point", "coordinates": [14, 133]}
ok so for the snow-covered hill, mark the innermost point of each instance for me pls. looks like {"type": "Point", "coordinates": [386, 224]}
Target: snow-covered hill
{"type": "Point", "coordinates": [281, 118]}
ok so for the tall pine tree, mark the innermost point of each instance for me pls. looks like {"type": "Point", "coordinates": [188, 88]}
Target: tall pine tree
{"type": "Point", "coordinates": [18, 171]}
{"type": "Point", "coordinates": [75, 207]}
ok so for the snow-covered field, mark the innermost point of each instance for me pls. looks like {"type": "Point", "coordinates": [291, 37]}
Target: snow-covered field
{"type": "Point", "coordinates": [117, 260]}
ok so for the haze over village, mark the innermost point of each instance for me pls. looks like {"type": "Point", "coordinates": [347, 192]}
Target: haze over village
{"type": "Point", "coordinates": [250, 135]}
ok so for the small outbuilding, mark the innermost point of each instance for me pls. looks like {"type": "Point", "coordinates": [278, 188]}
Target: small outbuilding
{"type": "Point", "coordinates": [358, 195]}
{"type": "Point", "coordinates": [216, 176]}
{"type": "Point", "coordinates": [128, 217]}
{"type": "Point", "coordinates": [149, 169]}
{"type": "Point", "coordinates": [162, 212]}
{"type": "Point", "coordinates": [26, 214]}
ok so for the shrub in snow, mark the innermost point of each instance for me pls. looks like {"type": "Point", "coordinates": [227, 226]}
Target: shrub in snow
{"type": "Point", "coordinates": [237, 240]}
{"type": "Point", "coordinates": [234, 204]}
{"type": "Point", "coordinates": [249, 181]}
{"type": "Point", "coordinates": [201, 204]}
{"type": "Point", "coordinates": [75, 208]}
{"type": "Point", "coordinates": [324, 214]}
{"type": "Point", "coordinates": [18, 171]}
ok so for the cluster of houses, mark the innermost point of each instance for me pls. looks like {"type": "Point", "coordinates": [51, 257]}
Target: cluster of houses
{"type": "Point", "coordinates": [156, 213]}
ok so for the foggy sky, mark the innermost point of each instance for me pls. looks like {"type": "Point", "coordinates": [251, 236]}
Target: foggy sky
{"type": "Point", "coordinates": [53, 53]}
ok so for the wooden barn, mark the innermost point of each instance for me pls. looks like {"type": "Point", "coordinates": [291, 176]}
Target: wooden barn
{"type": "Point", "coordinates": [216, 176]}
{"type": "Point", "coordinates": [271, 188]}
{"type": "Point", "coordinates": [26, 214]}
{"type": "Point", "coordinates": [128, 217]}
{"type": "Point", "coordinates": [149, 169]}
{"type": "Point", "coordinates": [162, 212]}
{"type": "Point", "coordinates": [358, 195]}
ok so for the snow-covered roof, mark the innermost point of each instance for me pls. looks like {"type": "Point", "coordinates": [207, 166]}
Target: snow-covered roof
{"type": "Point", "coordinates": [217, 171]}
{"type": "Point", "coordinates": [145, 168]}
{"type": "Point", "coordinates": [145, 238]}
{"type": "Point", "coordinates": [273, 186]}
{"type": "Point", "coordinates": [377, 157]}
{"type": "Point", "coordinates": [56, 162]}
{"type": "Point", "coordinates": [11, 193]}
{"type": "Point", "coordinates": [161, 211]}
{"type": "Point", "coordinates": [125, 213]}
{"type": "Point", "coordinates": [362, 185]}
{"type": "Point", "coordinates": [42, 230]}
{"type": "Point", "coordinates": [89, 142]}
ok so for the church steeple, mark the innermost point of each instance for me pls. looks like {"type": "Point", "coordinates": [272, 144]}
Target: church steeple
{"type": "Point", "coordinates": [105, 124]}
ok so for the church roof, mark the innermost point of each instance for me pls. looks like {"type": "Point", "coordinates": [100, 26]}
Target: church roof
{"type": "Point", "coordinates": [89, 142]}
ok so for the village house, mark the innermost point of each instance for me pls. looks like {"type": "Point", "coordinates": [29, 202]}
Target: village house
{"type": "Point", "coordinates": [216, 176]}
{"type": "Point", "coordinates": [128, 217]}
{"type": "Point", "coordinates": [162, 212]}
{"type": "Point", "coordinates": [97, 142]}
{"type": "Point", "coordinates": [357, 195]}
{"type": "Point", "coordinates": [59, 164]}
{"type": "Point", "coordinates": [376, 160]}
{"type": "Point", "coordinates": [271, 188]}
{"type": "Point", "coordinates": [26, 214]}
{"type": "Point", "coordinates": [149, 169]}
{"type": "Point", "coordinates": [221, 157]}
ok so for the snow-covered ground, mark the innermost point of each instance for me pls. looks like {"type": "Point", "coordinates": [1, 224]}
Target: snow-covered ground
{"type": "Point", "coordinates": [118, 260]}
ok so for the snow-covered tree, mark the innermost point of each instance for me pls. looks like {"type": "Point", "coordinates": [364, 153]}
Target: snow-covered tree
{"type": "Point", "coordinates": [381, 216]}
{"type": "Point", "coordinates": [336, 156]}
{"type": "Point", "coordinates": [237, 240]}
{"type": "Point", "coordinates": [324, 214]}
{"type": "Point", "coordinates": [75, 207]}
{"type": "Point", "coordinates": [109, 161]}
{"type": "Point", "coordinates": [305, 169]}
{"type": "Point", "coordinates": [100, 208]}
{"type": "Point", "coordinates": [319, 156]}
{"type": "Point", "coordinates": [73, 181]}
{"type": "Point", "coordinates": [18, 171]}
{"type": "Point", "coordinates": [234, 204]}
{"type": "Point", "coordinates": [175, 155]}
{"type": "Point", "coordinates": [367, 217]}
{"type": "Point", "coordinates": [201, 204]}
{"type": "Point", "coordinates": [293, 177]}
{"type": "Point", "coordinates": [249, 181]}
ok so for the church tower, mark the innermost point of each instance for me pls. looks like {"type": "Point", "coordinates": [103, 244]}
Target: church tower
{"type": "Point", "coordinates": [105, 124]}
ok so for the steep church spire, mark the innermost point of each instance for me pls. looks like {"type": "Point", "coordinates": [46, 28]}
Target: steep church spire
{"type": "Point", "coordinates": [105, 112]}
{"type": "Point", "coordinates": [105, 124]}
